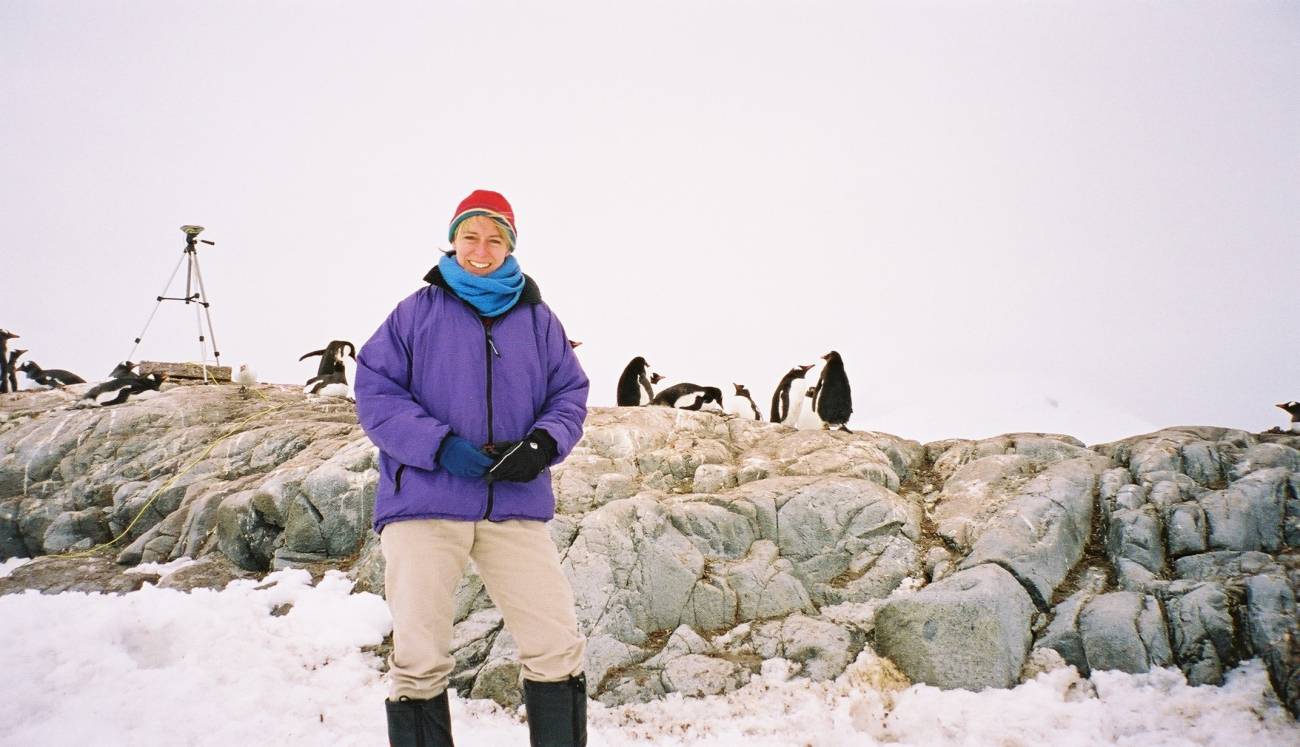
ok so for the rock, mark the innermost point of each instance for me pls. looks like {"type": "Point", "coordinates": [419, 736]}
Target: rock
{"type": "Point", "coordinates": [75, 530]}
{"type": "Point", "coordinates": [209, 572]}
{"type": "Point", "coordinates": [1185, 529]}
{"type": "Point", "coordinates": [1248, 514]}
{"type": "Point", "coordinates": [823, 649]}
{"type": "Point", "coordinates": [1135, 534]}
{"type": "Point", "coordinates": [1126, 631]}
{"type": "Point", "coordinates": [695, 675]}
{"type": "Point", "coordinates": [970, 630]}
{"type": "Point", "coordinates": [711, 478]}
{"type": "Point", "coordinates": [1204, 635]}
{"type": "Point", "coordinates": [1274, 634]}
{"type": "Point", "coordinates": [1211, 566]}
{"type": "Point", "coordinates": [1041, 534]}
{"type": "Point", "coordinates": [1062, 633]}
{"type": "Point", "coordinates": [499, 677]}
{"type": "Point", "coordinates": [471, 641]}
{"type": "Point", "coordinates": [243, 535]}
{"type": "Point", "coordinates": [1265, 456]}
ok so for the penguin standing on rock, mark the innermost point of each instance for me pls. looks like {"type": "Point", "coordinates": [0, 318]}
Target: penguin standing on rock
{"type": "Point", "coordinates": [1292, 408]}
{"type": "Point", "coordinates": [781, 397]}
{"type": "Point", "coordinates": [833, 399]}
{"type": "Point", "coordinates": [49, 376]}
{"type": "Point", "coordinates": [742, 404]}
{"type": "Point", "coordinates": [805, 413]}
{"type": "Point", "coordinates": [12, 363]}
{"type": "Point", "coordinates": [8, 376]}
{"type": "Point", "coordinates": [635, 384]}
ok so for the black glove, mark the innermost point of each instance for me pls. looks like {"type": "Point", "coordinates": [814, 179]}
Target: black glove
{"type": "Point", "coordinates": [524, 460]}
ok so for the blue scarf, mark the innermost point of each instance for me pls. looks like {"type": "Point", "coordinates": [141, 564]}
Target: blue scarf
{"type": "Point", "coordinates": [492, 294]}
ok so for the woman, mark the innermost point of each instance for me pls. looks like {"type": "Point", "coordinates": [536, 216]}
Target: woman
{"type": "Point", "coordinates": [471, 391]}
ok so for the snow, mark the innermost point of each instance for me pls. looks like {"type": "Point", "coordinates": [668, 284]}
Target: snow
{"type": "Point", "coordinates": [238, 666]}
{"type": "Point", "coordinates": [8, 566]}
{"type": "Point", "coordinates": [162, 569]}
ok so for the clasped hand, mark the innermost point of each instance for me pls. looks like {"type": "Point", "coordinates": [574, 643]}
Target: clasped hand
{"type": "Point", "coordinates": [513, 461]}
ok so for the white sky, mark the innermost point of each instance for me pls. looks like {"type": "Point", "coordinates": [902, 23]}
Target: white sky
{"type": "Point", "coordinates": [975, 203]}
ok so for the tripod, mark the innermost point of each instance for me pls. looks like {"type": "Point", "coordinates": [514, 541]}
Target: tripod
{"type": "Point", "coordinates": [201, 311]}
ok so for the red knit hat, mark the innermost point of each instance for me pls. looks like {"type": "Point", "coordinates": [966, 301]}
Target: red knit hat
{"type": "Point", "coordinates": [487, 203]}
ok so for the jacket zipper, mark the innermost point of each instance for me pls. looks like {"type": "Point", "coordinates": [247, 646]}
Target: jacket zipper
{"type": "Point", "coordinates": [400, 467]}
{"type": "Point", "coordinates": [490, 350]}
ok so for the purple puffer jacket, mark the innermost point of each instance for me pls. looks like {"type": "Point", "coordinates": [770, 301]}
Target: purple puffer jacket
{"type": "Point", "coordinates": [434, 367]}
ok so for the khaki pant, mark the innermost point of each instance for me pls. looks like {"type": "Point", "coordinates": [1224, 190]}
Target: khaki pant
{"type": "Point", "coordinates": [424, 561]}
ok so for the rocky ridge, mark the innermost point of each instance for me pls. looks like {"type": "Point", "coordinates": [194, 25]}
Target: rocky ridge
{"type": "Point", "coordinates": [701, 545]}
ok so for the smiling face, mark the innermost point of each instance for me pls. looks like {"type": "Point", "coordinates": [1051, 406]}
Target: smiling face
{"type": "Point", "coordinates": [481, 245]}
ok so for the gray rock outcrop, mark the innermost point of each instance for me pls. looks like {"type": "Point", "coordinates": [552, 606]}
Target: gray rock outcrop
{"type": "Point", "coordinates": [701, 545]}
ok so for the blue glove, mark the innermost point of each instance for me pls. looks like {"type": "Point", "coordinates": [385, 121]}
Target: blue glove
{"type": "Point", "coordinates": [462, 458]}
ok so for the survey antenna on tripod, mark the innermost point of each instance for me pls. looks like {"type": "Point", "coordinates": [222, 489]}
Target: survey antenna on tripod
{"type": "Point", "coordinates": [202, 310]}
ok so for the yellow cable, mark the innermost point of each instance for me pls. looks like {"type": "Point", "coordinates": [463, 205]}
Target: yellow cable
{"type": "Point", "coordinates": [168, 484]}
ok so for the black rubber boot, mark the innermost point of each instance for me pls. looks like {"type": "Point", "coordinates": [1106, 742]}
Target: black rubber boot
{"type": "Point", "coordinates": [419, 723]}
{"type": "Point", "coordinates": [557, 712]}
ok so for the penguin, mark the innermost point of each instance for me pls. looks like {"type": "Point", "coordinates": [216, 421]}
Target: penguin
{"type": "Point", "coordinates": [244, 377]}
{"type": "Point", "coordinates": [8, 376]}
{"type": "Point", "coordinates": [329, 385]}
{"type": "Point", "coordinates": [742, 404]}
{"type": "Point", "coordinates": [804, 414]}
{"type": "Point", "coordinates": [116, 391]}
{"type": "Point", "coordinates": [331, 356]}
{"type": "Point", "coordinates": [687, 396]}
{"type": "Point", "coordinates": [49, 376]}
{"type": "Point", "coordinates": [834, 399]}
{"type": "Point", "coordinates": [1292, 408]}
{"type": "Point", "coordinates": [332, 369]}
{"type": "Point", "coordinates": [635, 385]}
{"type": "Point", "coordinates": [575, 343]}
{"type": "Point", "coordinates": [11, 364]}
{"type": "Point", "coordinates": [781, 397]}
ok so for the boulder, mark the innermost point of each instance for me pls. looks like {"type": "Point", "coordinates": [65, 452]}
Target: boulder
{"type": "Point", "coordinates": [970, 630]}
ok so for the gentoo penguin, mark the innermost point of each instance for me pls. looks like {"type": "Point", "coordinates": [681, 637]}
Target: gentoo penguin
{"type": "Point", "coordinates": [742, 404]}
{"type": "Point", "coordinates": [687, 396]}
{"type": "Point", "coordinates": [329, 385]}
{"type": "Point", "coordinates": [834, 399]}
{"type": "Point", "coordinates": [781, 397]}
{"type": "Point", "coordinates": [49, 376]}
{"type": "Point", "coordinates": [116, 391]}
{"type": "Point", "coordinates": [12, 363]}
{"type": "Point", "coordinates": [635, 384]}
{"type": "Point", "coordinates": [332, 369]}
{"type": "Point", "coordinates": [1292, 408]}
{"type": "Point", "coordinates": [8, 376]}
{"type": "Point", "coordinates": [805, 413]}
{"type": "Point", "coordinates": [244, 377]}
{"type": "Point", "coordinates": [331, 357]}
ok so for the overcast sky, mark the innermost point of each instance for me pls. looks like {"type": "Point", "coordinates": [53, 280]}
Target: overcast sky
{"type": "Point", "coordinates": [1062, 216]}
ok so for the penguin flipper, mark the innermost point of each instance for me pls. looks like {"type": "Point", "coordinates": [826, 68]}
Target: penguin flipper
{"type": "Point", "coordinates": [305, 356]}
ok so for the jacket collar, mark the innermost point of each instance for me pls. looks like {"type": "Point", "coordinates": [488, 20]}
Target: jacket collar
{"type": "Point", "coordinates": [531, 293]}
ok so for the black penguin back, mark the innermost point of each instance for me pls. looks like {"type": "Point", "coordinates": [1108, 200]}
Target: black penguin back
{"type": "Point", "coordinates": [629, 384]}
{"type": "Point", "coordinates": [834, 395]}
